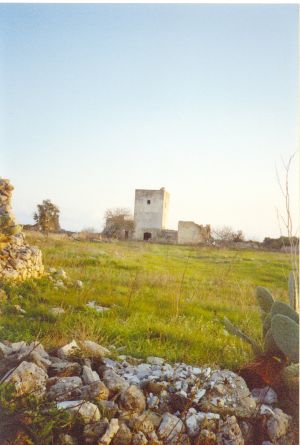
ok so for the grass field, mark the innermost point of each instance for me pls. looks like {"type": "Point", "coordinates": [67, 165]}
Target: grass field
{"type": "Point", "coordinates": [165, 300]}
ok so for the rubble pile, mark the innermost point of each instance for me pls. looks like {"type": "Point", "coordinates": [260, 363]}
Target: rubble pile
{"type": "Point", "coordinates": [127, 401]}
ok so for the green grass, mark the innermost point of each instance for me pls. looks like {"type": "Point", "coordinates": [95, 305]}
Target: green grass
{"type": "Point", "coordinates": [165, 300]}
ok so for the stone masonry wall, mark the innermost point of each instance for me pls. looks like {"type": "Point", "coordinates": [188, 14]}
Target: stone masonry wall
{"type": "Point", "coordinates": [18, 260]}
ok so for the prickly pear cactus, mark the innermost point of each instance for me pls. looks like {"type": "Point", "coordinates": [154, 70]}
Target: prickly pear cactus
{"type": "Point", "coordinates": [285, 332]}
{"type": "Point", "coordinates": [284, 309]}
{"type": "Point", "coordinates": [264, 298]}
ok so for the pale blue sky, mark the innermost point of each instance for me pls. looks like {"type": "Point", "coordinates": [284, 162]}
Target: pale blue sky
{"type": "Point", "coordinates": [97, 100]}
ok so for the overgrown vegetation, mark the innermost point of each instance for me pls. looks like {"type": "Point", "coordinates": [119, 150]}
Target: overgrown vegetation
{"type": "Point", "coordinates": [164, 300]}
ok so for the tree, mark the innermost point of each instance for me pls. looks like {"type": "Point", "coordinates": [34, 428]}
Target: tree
{"type": "Point", "coordinates": [227, 235]}
{"type": "Point", "coordinates": [119, 223]}
{"type": "Point", "coordinates": [47, 217]}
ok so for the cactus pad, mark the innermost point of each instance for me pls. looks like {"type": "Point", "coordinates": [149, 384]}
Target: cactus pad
{"type": "Point", "coordinates": [286, 336]}
{"type": "Point", "coordinates": [264, 298]}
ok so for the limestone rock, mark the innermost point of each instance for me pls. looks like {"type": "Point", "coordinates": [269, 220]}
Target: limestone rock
{"type": "Point", "coordinates": [230, 433]}
{"type": "Point", "coordinates": [94, 391]}
{"type": "Point", "coordinates": [92, 349]}
{"type": "Point", "coordinates": [87, 411]}
{"type": "Point", "coordinates": [123, 436]}
{"type": "Point", "coordinates": [133, 400]}
{"type": "Point", "coordinates": [63, 368]}
{"type": "Point", "coordinates": [64, 387]}
{"type": "Point", "coordinates": [277, 424]}
{"type": "Point", "coordinates": [69, 350]}
{"type": "Point", "coordinates": [28, 378]}
{"type": "Point", "coordinates": [94, 431]}
{"type": "Point", "coordinates": [170, 428]}
{"type": "Point", "coordinates": [227, 393]}
{"type": "Point", "coordinates": [114, 382]}
{"type": "Point", "coordinates": [89, 376]}
{"type": "Point", "coordinates": [110, 433]}
{"type": "Point", "coordinates": [139, 439]}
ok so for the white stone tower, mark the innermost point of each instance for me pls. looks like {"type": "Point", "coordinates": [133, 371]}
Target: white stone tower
{"type": "Point", "coordinates": [150, 213]}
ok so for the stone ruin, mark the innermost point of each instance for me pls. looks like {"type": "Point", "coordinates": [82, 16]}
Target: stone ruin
{"type": "Point", "coordinates": [18, 260]}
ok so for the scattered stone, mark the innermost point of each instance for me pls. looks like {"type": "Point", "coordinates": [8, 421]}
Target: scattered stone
{"type": "Point", "coordinates": [18, 308]}
{"type": "Point", "coordinates": [155, 361]}
{"type": "Point", "coordinates": [78, 284]}
{"type": "Point", "coordinates": [97, 307]}
{"type": "Point", "coordinates": [56, 311]}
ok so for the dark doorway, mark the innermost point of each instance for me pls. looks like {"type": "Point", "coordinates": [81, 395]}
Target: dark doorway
{"type": "Point", "coordinates": [126, 234]}
{"type": "Point", "coordinates": [147, 236]}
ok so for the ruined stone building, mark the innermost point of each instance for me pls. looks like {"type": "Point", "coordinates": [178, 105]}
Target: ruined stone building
{"type": "Point", "coordinates": [151, 210]}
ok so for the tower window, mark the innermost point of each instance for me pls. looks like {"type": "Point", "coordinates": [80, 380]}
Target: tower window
{"type": "Point", "coordinates": [148, 201]}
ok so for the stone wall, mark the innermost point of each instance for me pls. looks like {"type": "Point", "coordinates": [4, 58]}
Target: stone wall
{"type": "Point", "coordinates": [192, 233]}
{"type": "Point", "coordinates": [18, 260]}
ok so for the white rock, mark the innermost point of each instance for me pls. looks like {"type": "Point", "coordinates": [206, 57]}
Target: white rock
{"type": "Point", "coordinates": [86, 410]}
{"type": "Point", "coordinates": [56, 310]}
{"type": "Point", "coordinates": [277, 425]}
{"type": "Point", "coordinates": [68, 350]}
{"type": "Point", "coordinates": [170, 427]}
{"type": "Point", "coordinates": [78, 284]}
{"type": "Point", "coordinates": [155, 360]}
{"type": "Point", "coordinates": [89, 376]}
{"type": "Point", "coordinates": [64, 387]}
{"type": "Point", "coordinates": [199, 394]}
{"type": "Point", "coordinates": [111, 431]}
{"type": "Point", "coordinates": [4, 350]}
{"type": "Point", "coordinates": [19, 346]}
{"type": "Point", "coordinates": [93, 349]}
{"type": "Point", "coordinates": [28, 378]}
{"type": "Point", "coordinates": [265, 395]}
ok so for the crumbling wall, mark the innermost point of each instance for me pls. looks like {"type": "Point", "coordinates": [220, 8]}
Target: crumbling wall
{"type": "Point", "coordinates": [18, 260]}
{"type": "Point", "coordinates": [192, 233]}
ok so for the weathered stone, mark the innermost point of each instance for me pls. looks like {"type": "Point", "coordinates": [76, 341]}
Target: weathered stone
{"type": "Point", "coordinates": [56, 311]}
{"type": "Point", "coordinates": [230, 433]}
{"type": "Point", "coordinates": [133, 400]}
{"type": "Point", "coordinates": [28, 378]}
{"type": "Point", "coordinates": [265, 395]}
{"type": "Point", "coordinates": [94, 391]}
{"type": "Point", "coordinates": [87, 411]}
{"type": "Point", "coordinates": [171, 427]}
{"type": "Point", "coordinates": [63, 368]}
{"type": "Point", "coordinates": [139, 439]}
{"type": "Point", "coordinates": [227, 393]}
{"type": "Point", "coordinates": [123, 436]}
{"type": "Point", "coordinates": [89, 376]}
{"type": "Point", "coordinates": [114, 382]}
{"type": "Point", "coordinates": [277, 424]}
{"type": "Point", "coordinates": [64, 388]}
{"type": "Point", "coordinates": [70, 350]}
{"type": "Point", "coordinates": [155, 360]}
{"type": "Point", "coordinates": [66, 439]}
{"type": "Point", "coordinates": [94, 431]}
{"type": "Point", "coordinates": [92, 349]}
{"type": "Point", "coordinates": [110, 433]}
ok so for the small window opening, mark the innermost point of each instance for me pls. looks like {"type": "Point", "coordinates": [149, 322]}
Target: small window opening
{"type": "Point", "coordinates": [148, 201]}
{"type": "Point", "coordinates": [147, 236]}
